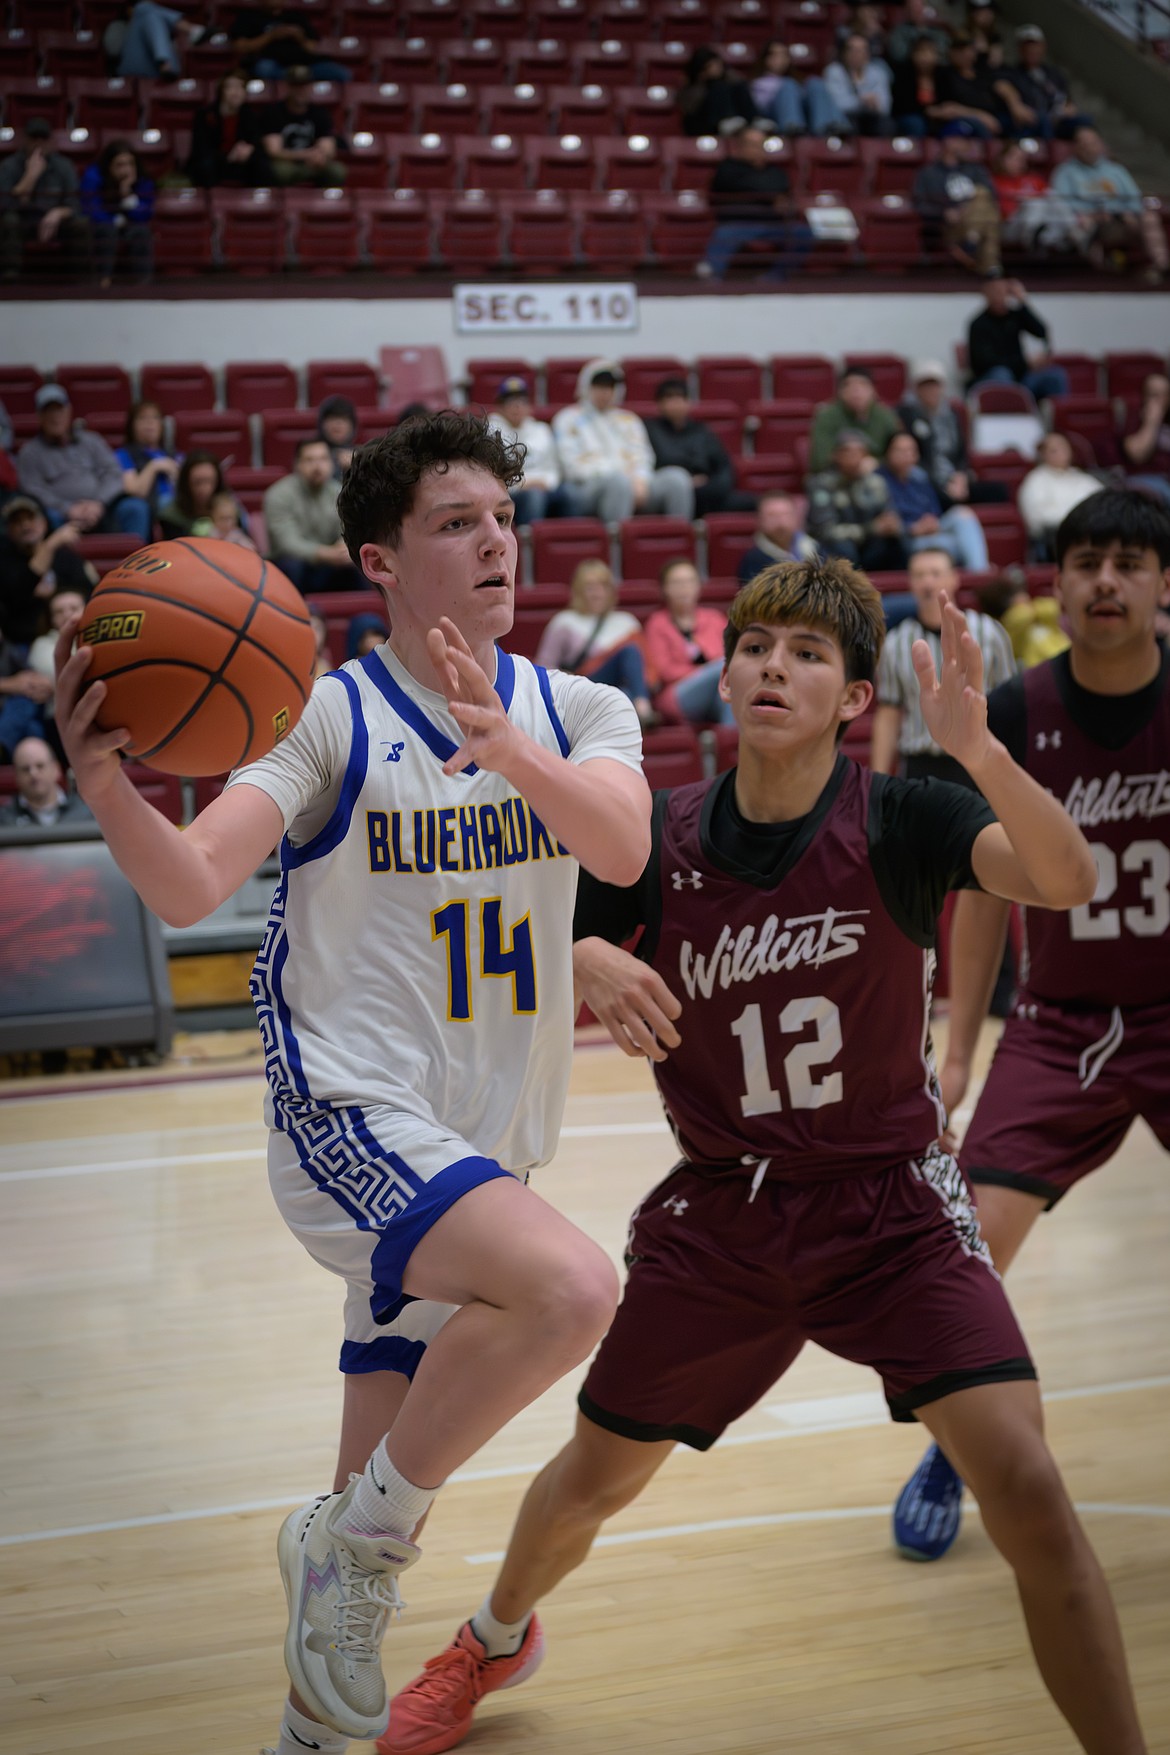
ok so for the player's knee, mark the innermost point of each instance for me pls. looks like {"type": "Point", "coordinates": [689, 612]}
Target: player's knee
{"type": "Point", "coordinates": [1024, 1501]}
{"type": "Point", "coordinates": [577, 1303]}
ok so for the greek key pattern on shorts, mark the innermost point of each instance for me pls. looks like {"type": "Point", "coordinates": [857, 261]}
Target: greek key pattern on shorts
{"type": "Point", "coordinates": [260, 986]}
{"type": "Point", "coordinates": [941, 1172]}
{"type": "Point", "coordinates": [370, 1187]}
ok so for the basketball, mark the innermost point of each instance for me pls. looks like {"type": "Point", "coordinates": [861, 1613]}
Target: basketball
{"type": "Point", "coordinates": [206, 652]}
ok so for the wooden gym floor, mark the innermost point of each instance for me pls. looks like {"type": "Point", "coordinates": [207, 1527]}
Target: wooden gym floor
{"type": "Point", "coordinates": [168, 1388]}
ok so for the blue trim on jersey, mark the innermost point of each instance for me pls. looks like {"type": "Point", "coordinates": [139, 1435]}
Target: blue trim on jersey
{"type": "Point", "coordinates": [410, 712]}
{"type": "Point", "coordinates": [292, 1048]}
{"type": "Point", "coordinates": [505, 678]}
{"type": "Point", "coordinates": [387, 1353]}
{"type": "Point", "coordinates": [407, 1229]}
{"type": "Point", "coordinates": [336, 829]}
{"type": "Point", "coordinates": [546, 696]}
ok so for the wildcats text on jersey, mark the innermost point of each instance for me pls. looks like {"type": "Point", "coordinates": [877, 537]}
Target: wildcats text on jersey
{"type": "Point", "coordinates": [1118, 798]}
{"type": "Point", "coordinates": [810, 939]}
{"type": "Point", "coordinates": [458, 838]}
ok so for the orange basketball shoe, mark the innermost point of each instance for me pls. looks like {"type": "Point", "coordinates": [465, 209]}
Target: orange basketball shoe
{"type": "Point", "coordinates": [434, 1712]}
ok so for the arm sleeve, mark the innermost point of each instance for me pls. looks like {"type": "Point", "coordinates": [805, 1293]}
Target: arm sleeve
{"type": "Point", "coordinates": [598, 721]}
{"type": "Point", "coordinates": [921, 836]}
{"type": "Point", "coordinates": [303, 774]}
{"type": "Point", "coordinates": [1031, 323]}
{"type": "Point", "coordinates": [641, 452]}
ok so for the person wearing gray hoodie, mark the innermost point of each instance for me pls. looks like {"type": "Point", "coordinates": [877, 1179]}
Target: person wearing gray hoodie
{"type": "Point", "coordinates": [606, 454]}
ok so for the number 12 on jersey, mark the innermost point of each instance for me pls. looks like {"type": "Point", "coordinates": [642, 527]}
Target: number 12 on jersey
{"type": "Point", "coordinates": [496, 959]}
{"type": "Point", "coordinates": [804, 1092]}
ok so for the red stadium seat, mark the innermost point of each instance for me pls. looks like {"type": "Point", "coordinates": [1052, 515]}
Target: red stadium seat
{"type": "Point", "coordinates": [661, 63]}
{"type": "Point", "coordinates": [109, 424]}
{"type": "Point", "coordinates": [888, 371]}
{"type": "Point", "coordinates": [535, 607]}
{"type": "Point", "coordinates": [690, 164]}
{"type": "Point", "coordinates": [495, 163]}
{"type": "Point", "coordinates": [281, 430]}
{"type": "Point", "coordinates": [648, 109]}
{"type": "Point", "coordinates": [174, 105]}
{"type": "Point", "coordinates": [369, 18]}
{"type": "Point", "coordinates": [613, 234]}
{"type": "Point", "coordinates": [224, 434]}
{"type": "Point", "coordinates": [541, 231]}
{"type": "Point", "coordinates": [648, 541]}
{"type": "Point", "coordinates": [19, 54]}
{"type": "Point", "coordinates": [724, 417]}
{"type": "Point", "coordinates": [470, 232]}
{"type": "Point", "coordinates": [644, 372]}
{"type": "Point", "coordinates": [891, 165]}
{"type": "Point", "coordinates": [105, 103]}
{"type": "Point", "coordinates": [95, 389]}
{"type": "Point", "coordinates": [560, 18]}
{"type": "Point", "coordinates": [69, 54]}
{"type": "Point", "coordinates": [415, 374]}
{"type": "Point", "coordinates": [41, 95]}
{"type": "Point", "coordinates": [484, 377]}
{"type": "Point", "coordinates": [352, 378]}
{"type": "Point", "coordinates": [806, 376]}
{"type": "Point", "coordinates": [1125, 373]}
{"type": "Point", "coordinates": [632, 163]}
{"type": "Point", "coordinates": [1007, 539]}
{"type": "Point", "coordinates": [429, 18]}
{"type": "Point", "coordinates": [542, 63]}
{"type": "Point", "coordinates": [1083, 370]}
{"type": "Point", "coordinates": [506, 20]}
{"type": "Point", "coordinates": [671, 756]}
{"type": "Point", "coordinates": [601, 63]}
{"type": "Point", "coordinates": [514, 109]}
{"type": "Point", "coordinates": [182, 229]}
{"type": "Point", "coordinates": [424, 161]}
{"type": "Point", "coordinates": [253, 229]}
{"type": "Point", "coordinates": [326, 231]}
{"type": "Point", "coordinates": [680, 228]}
{"type": "Point", "coordinates": [777, 425]}
{"type": "Point", "coordinates": [1002, 399]}
{"type": "Point", "coordinates": [398, 231]}
{"type": "Point", "coordinates": [833, 163]}
{"type": "Point", "coordinates": [163, 791]}
{"type": "Point", "coordinates": [476, 63]}
{"type": "Point", "coordinates": [18, 388]}
{"type": "Point", "coordinates": [729, 536]}
{"type": "Point", "coordinates": [410, 60]}
{"type": "Point", "coordinates": [560, 376]}
{"type": "Point", "coordinates": [559, 545]}
{"type": "Point", "coordinates": [890, 239]}
{"type": "Point", "coordinates": [252, 385]}
{"type": "Point", "coordinates": [445, 109]}
{"type": "Point", "coordinates": [729, 376]}
{"type": "Point", "coordinates": [107, 551]}
{"type": "Point", "coordinates": [566, 163]}
{"type": "Point", "coordinates": [381, 109]}
{"type": "Point", "coordinates": [586, 109]}
{"type": "Point", "coordinates": [250, 485]}
{"type": "Point", "coordinates": [1092, 418]}
{"type": "Point", "coordinates": [768, 472]}
{"type": "Point", "coordinates": [1007, 467]}
{"type": "Point", "coordinates": [621, 18]}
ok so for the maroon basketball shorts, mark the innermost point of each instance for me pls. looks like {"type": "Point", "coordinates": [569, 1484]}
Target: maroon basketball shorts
{"type": "Point", "coordinates": [730, 1275]}
{"type": "Point", "coordinates": [1063, 1091]}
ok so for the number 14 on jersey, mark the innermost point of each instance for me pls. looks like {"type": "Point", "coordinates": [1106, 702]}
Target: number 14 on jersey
{"type": "Point", "coordinates": [497, 960]}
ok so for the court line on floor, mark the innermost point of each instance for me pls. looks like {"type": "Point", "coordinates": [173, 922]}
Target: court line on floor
{"type": "Point", "coordinates": [514, 1471]}
{"type": "Point", "coordinates": [115, 1166]}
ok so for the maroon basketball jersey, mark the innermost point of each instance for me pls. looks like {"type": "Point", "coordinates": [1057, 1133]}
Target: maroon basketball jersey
{"type": "Point", "coordinates": [805, 1020]}
{"type": "Point", "coordinates": [1114, 950]}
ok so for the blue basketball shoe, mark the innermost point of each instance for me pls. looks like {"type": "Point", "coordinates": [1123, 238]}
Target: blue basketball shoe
{"type": "Point", "coordinates": [929, 1509]}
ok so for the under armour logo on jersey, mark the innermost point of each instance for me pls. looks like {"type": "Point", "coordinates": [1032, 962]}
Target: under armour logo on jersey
{"type": "Point", "coordinates": [695, 880]}
{"type": "Point", "coordinates": [677, 1204]}
{"type": "Point", "coordinates": [395, 749]}
{"type": "Point", "coordinates": [1048, 740]}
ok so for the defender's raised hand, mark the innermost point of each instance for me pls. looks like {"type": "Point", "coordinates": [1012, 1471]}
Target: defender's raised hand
{"type": "Point", "coordinates": [954, 706]}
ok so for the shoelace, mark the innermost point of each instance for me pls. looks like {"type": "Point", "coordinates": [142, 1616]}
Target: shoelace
{"type": "Point", "coordinates": [359, 1618]}
{"type": "Point", "coordinates": [453, 1670]}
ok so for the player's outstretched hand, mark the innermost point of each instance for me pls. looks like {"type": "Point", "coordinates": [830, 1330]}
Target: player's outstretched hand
{"type": "Point", "coordinates": [628, 997]}
{"type": "Point", "coordinates": [954, 706]}
{"type": "Point", "coordinates": [488, 734]}
{"type": "Point", "coordinates": [93, 754]}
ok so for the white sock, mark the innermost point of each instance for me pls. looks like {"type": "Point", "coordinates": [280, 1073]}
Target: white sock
{"type": "Point", "coordinates": [498, 1638]}
{"type": "Point", "coordinates": [385, 1503]}
{"type": "Point", "coordinates": [298, 1733]}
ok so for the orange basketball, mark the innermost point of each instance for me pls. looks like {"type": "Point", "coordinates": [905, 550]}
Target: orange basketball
{"type": "Point", "coordinates": [206, 652]}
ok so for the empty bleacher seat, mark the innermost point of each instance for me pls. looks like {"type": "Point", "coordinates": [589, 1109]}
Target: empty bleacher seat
{"type": "Point", "coordinates": [355, 379]}
{"type": "Point", "coordinates": [671, 756]}
{"type": "Point", "coordinates": [96, 389]}
{"type": "Point", "coordinates": [649, 541]}
{"type": "Point", "coordinates": [560, 544]}
{"type": "Point", "coordinates": [183, 233]}
{"type": "Point", "coordinates": [224, 433]}
{"type": "Point", "coordinates": [252, 385]}
{"type": "Point", "coordinates": [398, 231]}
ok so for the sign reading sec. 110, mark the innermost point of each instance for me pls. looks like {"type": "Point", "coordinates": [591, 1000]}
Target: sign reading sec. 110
{"type": "Point", "coordinates": [520, 309]}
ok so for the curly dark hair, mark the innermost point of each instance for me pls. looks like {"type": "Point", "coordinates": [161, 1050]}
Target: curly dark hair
{"type": "Point", "coordinates": [379, 487]}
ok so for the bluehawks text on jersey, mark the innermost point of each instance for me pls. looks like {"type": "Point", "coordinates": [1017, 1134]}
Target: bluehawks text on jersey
{"type": "Point", "coordinates": [459, 838]}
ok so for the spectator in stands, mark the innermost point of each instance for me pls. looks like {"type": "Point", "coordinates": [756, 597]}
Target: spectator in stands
{"type": "Point", "coordinates": [684, 649]}
{"type": "Point", "coordinates": [986, 35]}
{"type": "Point", "coordinates": [200, 478]}
{"type": "Point", "coordinates": [35, 563]}
{"type": "Point", "coordinates": [858, 86]}
{"type": "Point", "coordinates": [39, 204]}
{"type": "Point", "coordinates": [849, 509]}
{"type": "Point", "coordinates": [956, 200]}
{"type": "Point", "coordinates": [225, 521]}
{"type": "Point", "coordinates": [75, 475]}
{"type": "Point", "coordinates": [865, 20]}
{"type": "Point", "coordinates": [752, 198]}
{"type": "Point", "coordinates": [596, 639]}
{"type": "Point", "coordinates": [1032, 624]}
{"type": "Point", "coordinates": [901, 741]}
{"type": "Point", "coordinates": [1050, 490]}
{"type": "Point", "coordinates": [794, 106]}
{"type": "Point", "coordinates": [710, 95]}
{"type": "Point", "coordinates": [40, 797]}
{"type": "Point", "coordinates": [227, 139]}
{"type": "Point", "coordinates": [926, 412]}
{"type": "Point", "coordinates": [23, 696]}
{"type": "Point", "coordinates": [1034, 218]}
{"type": "Point", "coordinates": [153, 41]}
{"type": "Point", "coordinates": [924, 522]}
{"type": "Point", "coordinates": [1146, 449]}
{"type": "Point", "coordinates": [857, 408]}
{"type": "Point", "coordinates": [916, 20]}
{"type": "Point", "coordinates": [299, 138]}
{"type": "Point", "coordinates": [995, 353]}
{"type": "Point", "coordinates": [606, 455]}
{"type": "Point", "coordinates": [337, 424]}
{"type": "Point", "coordinates": [777, 537]}
{"type": "Point", "coordinates": [118, 201]}
{"type": "Point", "coordinates": [543, 492]}
{"type": "Point", "coordinates": [304, 530]}
{"type": "Point", "coordinates": [680, 441]}
{"type": "Point", "coordinates": [914, 95]}
{"type": "Point", "coordinates": [1034, 93]}
{"type": "Point", "coordinates": [272, 37]}
{"type": "Point", "coordinates": [966, 94]}
{"type": "Point", "coordinates": [148, 470]}
{"type": "Point", "coordinates": [66, 602]}
{"type": "Point", "coordinates": [366, 632]}
{"type": "Point", "coordinates": [1107, 206]}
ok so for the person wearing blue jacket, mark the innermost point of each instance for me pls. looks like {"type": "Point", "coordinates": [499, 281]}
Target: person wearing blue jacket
{"type": "Point", "coordinates": [118, 202]}
{"type": "Point", "coordinates": [924, 523]}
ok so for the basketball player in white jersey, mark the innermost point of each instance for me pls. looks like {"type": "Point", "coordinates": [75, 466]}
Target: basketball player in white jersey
{"type": "Point", "coordinates": [414, 994]}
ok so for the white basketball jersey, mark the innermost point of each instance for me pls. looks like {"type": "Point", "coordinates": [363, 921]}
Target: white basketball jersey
{"type": "Point", "coordinates": [419, 949]}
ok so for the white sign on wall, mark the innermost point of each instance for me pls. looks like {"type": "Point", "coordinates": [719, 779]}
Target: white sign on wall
{"type": "Point", "coordinates": [519, 309]}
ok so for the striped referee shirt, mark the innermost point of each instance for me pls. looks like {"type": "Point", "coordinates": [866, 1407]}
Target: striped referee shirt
{"type": "Point", "coordinates": [897, 685]}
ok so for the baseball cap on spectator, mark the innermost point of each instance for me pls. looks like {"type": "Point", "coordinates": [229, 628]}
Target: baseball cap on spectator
{"type": "Point", "coordinates": [513, 387]}
{"type": "Point", "coordinates": [38, 128]}
{"type": "Point", "coordinates": [20, 503]}
{"type": "Point", "coordinates": [929, 372]}
{"type": "Point", "coordinates": [1030, 33]}
{"type": "Point", "coordinates": [48, 394]}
